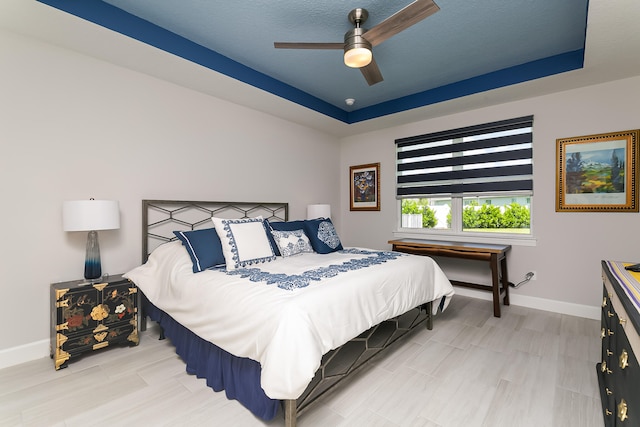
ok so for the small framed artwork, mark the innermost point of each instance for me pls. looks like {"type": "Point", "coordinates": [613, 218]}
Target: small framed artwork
{"type": "Point", "coordinates": [365, 187]}
{"type": "Point", "coordinates": [597, 173]}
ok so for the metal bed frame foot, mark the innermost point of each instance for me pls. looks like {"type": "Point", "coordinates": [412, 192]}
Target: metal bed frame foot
{"type": "Point", "coordinates": [290, 413]}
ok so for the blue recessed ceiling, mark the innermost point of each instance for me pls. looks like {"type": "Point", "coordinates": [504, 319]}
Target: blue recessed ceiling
{"type": "Point", "coordinates": [465, 48]}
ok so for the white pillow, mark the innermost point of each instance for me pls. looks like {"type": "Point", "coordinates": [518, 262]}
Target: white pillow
{"type": "Point", "coordinates": [244, 241]}
{"type": "Point", "coordinates": [292, 242]}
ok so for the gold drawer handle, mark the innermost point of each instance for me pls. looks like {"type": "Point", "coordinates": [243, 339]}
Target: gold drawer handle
{"type": "Point", "coordinates": [609, 332]}
{"type": "Point", "coordinates": [608, 412]}
{"type": "Point", "coordinates": [603, 367]}
{"type": "Point", "coordinates": [602, 333]}
{"type": "Point", "coordinates": [609, 352]}
{"type": "Point", "coordinates": [610, 314]}
{"type": "Point", "coordinates": [622, 410]}
{"type": "Point", "coordinates": [604, 302]}
{"type": "Point", "coordinates": [624, 359]}
{"type": "Point", "coordinates": [623, 322]}
{"type": "Point", "coordinates": [609, 392]}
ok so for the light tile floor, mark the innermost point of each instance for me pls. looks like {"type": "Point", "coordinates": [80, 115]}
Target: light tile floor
{"type": "Point", "coordinates": [527, 368]}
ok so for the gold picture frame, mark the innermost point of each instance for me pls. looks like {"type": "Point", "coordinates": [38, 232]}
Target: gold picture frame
{"type": "Point", "coordinates": [597, 173]}
{"type": "Point", "coordinates": [364, 184]}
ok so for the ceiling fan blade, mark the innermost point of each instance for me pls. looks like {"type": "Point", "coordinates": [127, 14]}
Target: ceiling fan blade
{"type": "Point", "coordinates": [401, 20]}
{"type": "Point", "coordinates": [286, 45]}
{"type": "Point", "coordinates": [372, 73]}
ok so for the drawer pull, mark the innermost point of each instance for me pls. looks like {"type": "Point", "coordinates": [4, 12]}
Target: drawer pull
{"type": "Point", "coordinates": [623, 322]}
{"type": "Point", "coordinates": [602, 333]}
{"type": "Point", "coordinates": [604, 302]}
{"type": "Point", "coordinates": [622, 410]}
{"type": "Point", "coordinates": [608, 412]}
{"type": "Point", "coordinates": [610, 314]}
{"type": "Point", "coordinates": [603, 367]}
{"type": "Point", "coordinates": [609, 392]}
{"type": "Point", "coordinates": [609, 352]}
{"type": "Point", "coordinates": [609, 332]}
{"type": "Point", "coordinates": [624, 359]}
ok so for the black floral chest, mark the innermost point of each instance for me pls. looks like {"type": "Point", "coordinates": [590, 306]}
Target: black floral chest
{"type": "Point", "coordinates": [90, 316]}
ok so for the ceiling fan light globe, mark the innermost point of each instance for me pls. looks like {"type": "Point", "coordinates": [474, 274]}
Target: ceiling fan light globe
{"type": "Point", "coordinates": [357, 57]}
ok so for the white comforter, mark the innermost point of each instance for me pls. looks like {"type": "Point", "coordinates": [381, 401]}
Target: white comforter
{"type": "Point", "coordinates": [287, 331]}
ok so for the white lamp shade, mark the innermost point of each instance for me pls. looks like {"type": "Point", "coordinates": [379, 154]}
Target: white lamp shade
{"type": "Point", "coordinates": [318, 211]}
{"type": "Point", "coordinates": [89, 215]}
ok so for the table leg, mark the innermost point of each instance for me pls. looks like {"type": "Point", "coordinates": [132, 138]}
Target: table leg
{"type": "Point", "coordinates": [505, 280]}
{"type": "Point", "coordinates": [495, 284]}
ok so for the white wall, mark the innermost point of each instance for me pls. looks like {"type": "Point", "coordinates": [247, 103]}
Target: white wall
{"type": "Point", "coordinates": [569, 245]}
{"type": "Point", "coordinates": [73, 128]}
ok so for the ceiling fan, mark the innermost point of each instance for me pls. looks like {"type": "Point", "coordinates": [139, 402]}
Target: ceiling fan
{"type": "Point", "coordinates": [359, 41]}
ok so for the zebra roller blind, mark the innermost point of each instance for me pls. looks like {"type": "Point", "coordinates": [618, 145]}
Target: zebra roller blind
{"type": "Point", "coordinates": [491, 158]}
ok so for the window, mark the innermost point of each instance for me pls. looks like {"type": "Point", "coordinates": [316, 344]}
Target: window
{"type": "Point", "coordinates": [477, 179]}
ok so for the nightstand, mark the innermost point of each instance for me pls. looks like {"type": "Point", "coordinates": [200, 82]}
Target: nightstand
{"type": "Point", "coordinates": [88, 316]}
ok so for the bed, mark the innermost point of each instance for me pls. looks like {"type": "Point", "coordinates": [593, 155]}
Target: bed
{"type": "Point", "coordinates": [279, 312]}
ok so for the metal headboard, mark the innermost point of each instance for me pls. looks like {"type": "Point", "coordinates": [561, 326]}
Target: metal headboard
{"type": "Point", "coordinates": [160, 218]}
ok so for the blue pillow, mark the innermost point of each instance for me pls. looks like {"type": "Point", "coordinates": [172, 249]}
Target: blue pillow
{"type": "Point", "coordinates": [204, 248]}
{"type": "Point", "coordinates": [323, 236]}
{"type": "Point", "coordinates": [282, 226]}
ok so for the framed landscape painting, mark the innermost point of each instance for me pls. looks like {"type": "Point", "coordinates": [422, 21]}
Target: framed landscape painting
{"type": "Point", "coordinates": [365, 187]}
{"type": "Point", "coordinates": [598, 173]}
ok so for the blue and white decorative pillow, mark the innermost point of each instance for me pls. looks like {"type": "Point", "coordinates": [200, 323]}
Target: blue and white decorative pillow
{"type": "Point", "coordinates": [323, 236]}
{"type": "Point", "coordinates": [292, 242]}
{"type": "Point", "coordinates": [244, 241]}
{"type": "Point", "coordinates": [281, 226]}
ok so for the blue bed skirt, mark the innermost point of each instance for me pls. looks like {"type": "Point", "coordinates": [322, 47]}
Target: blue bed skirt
{"type": "Point", "coordinates": [238, 377]}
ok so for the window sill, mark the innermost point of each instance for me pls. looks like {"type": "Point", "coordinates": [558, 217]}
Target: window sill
{"type": "Point", "coordinates": [512, 239]}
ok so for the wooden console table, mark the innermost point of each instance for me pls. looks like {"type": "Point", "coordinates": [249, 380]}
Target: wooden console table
{"type": "Point", "coordinates": [496, 255]}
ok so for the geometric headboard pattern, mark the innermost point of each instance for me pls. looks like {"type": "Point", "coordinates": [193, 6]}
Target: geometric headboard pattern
{"type": "Point", "coordinates": [160, 218]}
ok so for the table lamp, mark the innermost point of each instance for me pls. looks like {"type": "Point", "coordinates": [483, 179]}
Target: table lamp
{"type": "Point", "coordinates": [91, 215]}
{"type": "Point", "coordinates": [318, 211]}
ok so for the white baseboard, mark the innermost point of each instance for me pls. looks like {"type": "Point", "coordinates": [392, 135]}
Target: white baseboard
{"type": "Point", "coordinates": [560, 307]}
{"type": "Point", "coordinates": [27, 352]}
{"type": "Point", "coordinates": [24, 353]}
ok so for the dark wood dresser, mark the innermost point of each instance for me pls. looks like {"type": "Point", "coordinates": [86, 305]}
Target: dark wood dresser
{"type": "Point", "coordinates": [619, 372]}
{"type": "Point", "coordinates": [89, 316]}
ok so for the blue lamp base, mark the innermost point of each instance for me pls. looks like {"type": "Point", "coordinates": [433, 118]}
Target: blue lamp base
{"type": "Point", "coordinates": [92, 267]}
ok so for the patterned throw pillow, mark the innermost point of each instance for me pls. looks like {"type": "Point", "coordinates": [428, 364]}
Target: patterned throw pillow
{"type": "Point", "coordinates": [323, 236]}
{"type": "Point", "coordinates": [292, 242]}
{"type": "Point", "coordinates": [281, 226]}
{"type": "Point", "coordinates": [244, 241]}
